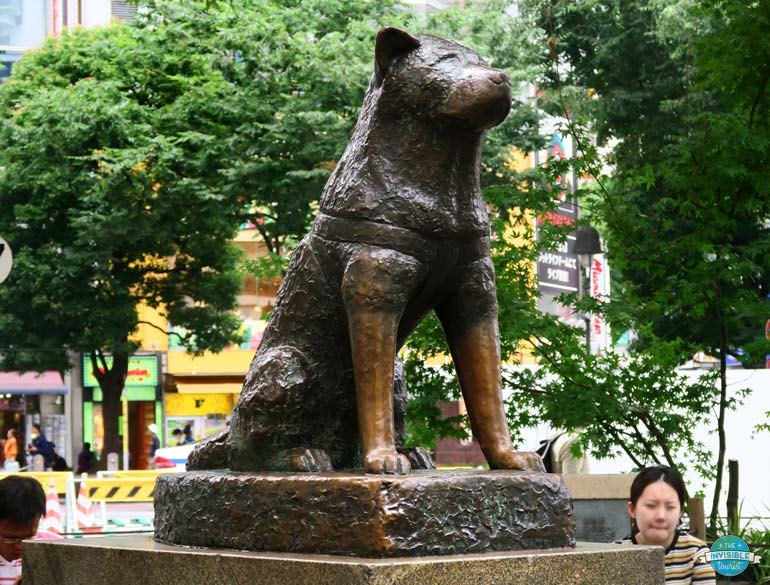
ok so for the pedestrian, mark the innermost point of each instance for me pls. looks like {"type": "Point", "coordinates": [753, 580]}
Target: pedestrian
{"type": "Point", "coordinates": [22, 505]}
{"type": "Point", "coordinates": [556, 452]}
{"type": "Point", "coordinates": [178, 437]}
{"type": "Point", "coordinates": [154, 443]}
{"type": "Point", "coordinates": [41, 446]}
{"type": "Point", "coordinates": [11, 452]}
{"type": "Point", "coordinates": [656, 507]}
{"type": "Point", "coordinates": [86, 459]}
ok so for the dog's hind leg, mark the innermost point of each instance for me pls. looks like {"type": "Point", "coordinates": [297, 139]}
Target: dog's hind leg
{"type": "Point", "coordinates": [210, 453]}
{"type": "Point", "coordinates": [419, 458]}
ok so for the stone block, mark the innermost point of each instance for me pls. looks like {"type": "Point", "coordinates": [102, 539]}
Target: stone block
{"type": "Point", "coordinates": [424, 513]}
{"type": "Point", "coordinates": [599, 502]}
{"type": "Point", "coordinates": [128, 560]}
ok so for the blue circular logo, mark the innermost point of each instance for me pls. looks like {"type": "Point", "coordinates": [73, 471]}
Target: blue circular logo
{"type": "Point", "coordinates": [730, 555]}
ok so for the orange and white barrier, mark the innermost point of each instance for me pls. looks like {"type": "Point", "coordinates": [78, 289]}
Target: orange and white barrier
{"type": "Point", "coordinates": [84, 509]}
{"type": "Point", "coordinates": [82, 500]}
{"type": "Point", "coordinates": [53, 523]}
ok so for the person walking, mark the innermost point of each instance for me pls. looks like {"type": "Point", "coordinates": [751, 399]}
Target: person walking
{"type": "Point", "coordinates": [86, 459]}
{"type": "Point", "coordinates": [154, 443]}
{"type": "Point", "coordinates": [41, 446]}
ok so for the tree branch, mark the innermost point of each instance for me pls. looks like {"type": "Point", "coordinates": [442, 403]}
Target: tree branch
{"type": "Point", "coordinates": [642, 441]}
{"type": "Point", "coordinates": [181, 337]}
{"type": "Point", "coordinates": [660, 438]}
{"type": "Point", "coordinates": [622, 445]}
{"type": "Point", "coordinates": [758, 98]}
{"type": "Point", "coordinates": [265, 238]}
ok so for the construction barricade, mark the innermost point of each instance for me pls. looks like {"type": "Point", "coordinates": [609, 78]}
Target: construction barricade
{"type": "Point", "coordinates": [53, 523]}
{"type": "Point", "coordinates": [83, 493]}
{"type": "Point", "coordinates": [134, 473]}
{"type": "Point", "coordinates": [60, 478]}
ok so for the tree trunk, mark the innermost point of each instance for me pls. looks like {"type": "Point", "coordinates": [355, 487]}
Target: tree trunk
{"type": "Point", "coordinates": [111, 381]}
{"type": "Point", "coordinates": [720, 426]}
{"type": "Point", "coordinates": [733, 518]}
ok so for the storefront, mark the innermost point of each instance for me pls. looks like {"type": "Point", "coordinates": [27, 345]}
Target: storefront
{"type": "Point", "coordinates": [144, 406]}
{"type": "Point", "coordinates": [205, 404]}
{"type": "Point", "coordinates": [201, 391]}
{"type": "Point", "coordinates": [35, 398]}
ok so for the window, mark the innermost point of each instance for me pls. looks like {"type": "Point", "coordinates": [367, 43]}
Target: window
{"type": "Point", "coordinates": [22, 24]}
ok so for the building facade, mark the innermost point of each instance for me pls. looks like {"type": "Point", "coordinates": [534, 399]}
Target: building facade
{"type": "Point", "coordinates": [49, 399]}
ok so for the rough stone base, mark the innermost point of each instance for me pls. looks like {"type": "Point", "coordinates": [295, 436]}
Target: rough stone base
{"type": "Point", "coordinates": [425, 513]}
{"type": "Point", "coordinates": [128, 560]}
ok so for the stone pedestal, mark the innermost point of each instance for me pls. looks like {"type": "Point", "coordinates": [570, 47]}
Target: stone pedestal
{"type": "Point", "coordinates": [600, 505]}
{"type": "Point", "coordinates": [128, 560]}
{"type": "Point", "coordinates": [424, 513]}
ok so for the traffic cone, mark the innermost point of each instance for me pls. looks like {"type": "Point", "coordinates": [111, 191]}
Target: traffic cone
{"type": "Point", "coordinates": [84, 510]}
{"type": "Point", "coordinates": [53, 522]}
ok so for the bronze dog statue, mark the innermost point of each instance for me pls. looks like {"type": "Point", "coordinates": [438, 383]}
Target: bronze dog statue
{"type": "Point", "coordinates": [402, 229]}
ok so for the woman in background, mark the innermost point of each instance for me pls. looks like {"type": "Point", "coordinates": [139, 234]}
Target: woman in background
{"type": "Point", "coordinates": [11, 452]}
{"type": "Point", "coordinates": [656, 507]}
{"type": "Point", "coordinates": [41, 446]}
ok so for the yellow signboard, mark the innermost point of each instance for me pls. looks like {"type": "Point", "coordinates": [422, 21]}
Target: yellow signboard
{"type": "Point", "coordinates": [198, 404]}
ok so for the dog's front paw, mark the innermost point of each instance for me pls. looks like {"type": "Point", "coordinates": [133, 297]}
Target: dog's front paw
{"type": "Point", "coordinates": [386, 461]}
{"type": "Point", "coordinates": [524, 460]}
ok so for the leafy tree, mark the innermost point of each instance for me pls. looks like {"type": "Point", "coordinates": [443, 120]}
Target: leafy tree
{"type": "Point", "coordinates": [634, 404]}
{"type": "Point", "coordinates": [297, 73]}
{"type": "Point", "coordinates": [683, 92]}
{"type": "Point", "coordinates": [134, 152]}
{"type": "Point", "coordinates": [106, 200]}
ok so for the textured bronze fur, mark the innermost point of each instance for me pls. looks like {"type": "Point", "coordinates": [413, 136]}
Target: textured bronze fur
{"type": "Point", "coordinates": [402, 229]}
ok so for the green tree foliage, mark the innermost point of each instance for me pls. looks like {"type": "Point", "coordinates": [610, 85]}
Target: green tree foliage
{"type": "Point", "coordinates": [106, 200]}
{"type": "Point", "coordinates": [634, 404]}
{"type": "Point", "coordinates": [296, 73]}
{"type": "Point", "coordinates": [682, 89]}
{"type": "Point", "coordinates": [133, 153]}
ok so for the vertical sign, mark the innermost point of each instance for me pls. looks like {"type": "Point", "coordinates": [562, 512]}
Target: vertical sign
{"type": "Point", "coordinates": [6, 259]}
{"type": "Point", "coordinates": [598, 288]}
{"type": "Point", "coordinates": [558, 270]}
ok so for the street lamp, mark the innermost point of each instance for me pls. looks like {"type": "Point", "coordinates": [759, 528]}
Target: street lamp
{"type": "Point", "coordinates": [587, 244]}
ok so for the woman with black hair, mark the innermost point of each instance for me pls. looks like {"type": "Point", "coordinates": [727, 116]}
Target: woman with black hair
{"type": "Point", "coordinates": [656, 507]}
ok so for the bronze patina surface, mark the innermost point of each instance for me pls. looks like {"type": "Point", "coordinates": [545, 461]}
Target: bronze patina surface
{"type": "Point", "coordinates": [402, 230]}
{"type": "Point", "coordinates": [425, 513]}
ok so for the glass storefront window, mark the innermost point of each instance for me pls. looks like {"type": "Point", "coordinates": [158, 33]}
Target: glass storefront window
{"type": "Point", "coordinates": [22, 23]}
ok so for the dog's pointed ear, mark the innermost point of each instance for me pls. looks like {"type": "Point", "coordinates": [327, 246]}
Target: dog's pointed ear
{"type": "Point", "coordinates": [391, 42]}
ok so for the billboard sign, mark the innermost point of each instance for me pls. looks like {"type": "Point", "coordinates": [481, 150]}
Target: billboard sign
{"type": "Point", "coordinates": [143, 370]}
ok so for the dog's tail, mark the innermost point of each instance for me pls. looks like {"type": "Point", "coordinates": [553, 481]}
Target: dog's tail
{"type": "Point", "coordinates": [211, 453]}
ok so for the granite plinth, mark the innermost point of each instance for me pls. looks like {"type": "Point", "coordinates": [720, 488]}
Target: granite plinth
{"type": "Point", "coordinates": [128, 560]}
{"type": "Point", "coordinates": [424, 513]}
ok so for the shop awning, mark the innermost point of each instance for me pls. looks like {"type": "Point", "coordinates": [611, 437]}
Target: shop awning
{"type": "Point", "coordinates": [209, 387]}
{"type": "Point", "coordinates": [32, 383]}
